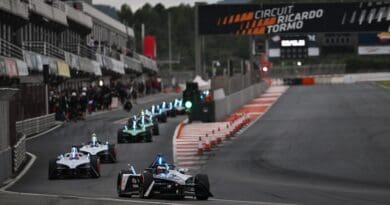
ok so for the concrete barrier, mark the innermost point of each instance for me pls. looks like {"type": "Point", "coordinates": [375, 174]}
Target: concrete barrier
{"type": "Point", "coordinates": [227, 105]}
{"type": "Point", "coordinates": [334, 79]}
{"type": "Point", "coordinates": [337, 80]}
{"type": "Point", "coordinates": [366, 77]}
{"type": "Point", "coordinates": [5, 164]}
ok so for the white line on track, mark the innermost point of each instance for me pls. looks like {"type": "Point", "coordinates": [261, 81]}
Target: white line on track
{"type": "Point", "coordinates": [248, 202]}
{"type": "Point", "coordinates": [22, 173]}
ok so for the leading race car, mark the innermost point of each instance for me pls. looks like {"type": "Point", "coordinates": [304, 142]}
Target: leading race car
{"type": "Point", "coordinates": [74, 165]}
{"type": "Point", "coordinates": [162, 179]}
{"type": "Point", "coordinates": [106, 152]}
{"type": "Point", "coordinates": [135, 131]}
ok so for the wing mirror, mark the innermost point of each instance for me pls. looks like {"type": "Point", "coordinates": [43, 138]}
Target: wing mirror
{"type": "Point", "coordinates": [60, 157]}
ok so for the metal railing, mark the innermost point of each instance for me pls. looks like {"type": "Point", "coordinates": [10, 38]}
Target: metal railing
{"type": "Point", "coordinates": [81, 50]}
{"type": "Point", "coordinates": [35, 125]}
{"type": "Point", "coordinates": [146, 62]}
{"type": "Point", "coordinates": [109, 52]}
{"type": "Point", "coordinates": [44, 48]}
{"type": "Point", "coordinates": [132, 63]}
{"type": "Point", "coordinates": [10, 50]}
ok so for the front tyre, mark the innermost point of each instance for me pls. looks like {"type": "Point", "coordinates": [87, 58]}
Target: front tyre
{"type": "Point", "coordinates": [52, 169]}
{"type": "Point", "coordinates": [146, 181]}
{"type": "Point", "coordinates": [112, 152]}
{"type": "Point", "coordinates": [95, 167]}
{"type": "Point", "coordinates": [202, 187]}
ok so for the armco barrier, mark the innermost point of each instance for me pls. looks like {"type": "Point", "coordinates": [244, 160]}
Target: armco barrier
{"type": "Point", "coordinates": [19, 153]}
{"type": "Point", "coordinates": [227, 105]}
{"type": "Point", "coordinates": [35, 125]}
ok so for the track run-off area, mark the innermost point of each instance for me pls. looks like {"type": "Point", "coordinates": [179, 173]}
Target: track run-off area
{"type": "Point", "coordinates": [321, 144]}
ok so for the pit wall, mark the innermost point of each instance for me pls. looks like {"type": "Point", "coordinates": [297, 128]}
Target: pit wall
{"type": "Point", "coordinates": [333, 79]}
{"type": "Point", "coordinates": [230, 103]}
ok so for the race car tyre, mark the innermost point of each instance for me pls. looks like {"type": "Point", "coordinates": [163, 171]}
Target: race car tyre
{"type": "Point", "coordinates": [146, 181]}
{"type": "Point", "coordinates": [95, 167]}
{"type": "Point", "coordinates": [120, 137]}
{"type": "Point", "coordinates": [112, 151]}
{"type": "Point", "coordinates": [172, 113]}
{"type": "Point", "coordinates": [148, 137]}
{"type": "Point", "coordinates": [52, 169]}
{"type": "Point", "coordinates": [202, 187]}
{"type": "Point", "coordinates": [163, 118]}
{"type": "Point", "coordinates": [119, 184]}
{"type": "Point", "coordinates": [156, 129]}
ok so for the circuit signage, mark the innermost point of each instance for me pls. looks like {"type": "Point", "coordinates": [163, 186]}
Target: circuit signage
{"type": "Point", "coordinates": [260, 19]}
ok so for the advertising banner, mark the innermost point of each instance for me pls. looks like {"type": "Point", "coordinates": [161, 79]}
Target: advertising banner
{"type": "Point", "coordinates": [10, 65]}
{"type": "Point", "coordinates": [22, 67]}
{"type": "Point", "coordinates": [63, 69]}
{"type": "Point", "coordinates": [150, 46]}
{"type": "Point", "coordinates": [257, 19]}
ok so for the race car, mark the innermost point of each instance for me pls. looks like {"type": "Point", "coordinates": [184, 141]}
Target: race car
{"type": "Point", "coordinates": [163, 180]}
{"type": "Point", "coordinates": [168, 109]}
{"type": "Point", "coordinates": [74, 164]}
{"type": "Point", "coordinates": [106, 152]}
{"type": "Point", "coordinates": [158, 113]}
{"type": "Point", "coordinates": [178, 106]}
{"type": "Point", "coordinates": [134, 131]}
{"type": "Point", "coordinates": [150, 122]}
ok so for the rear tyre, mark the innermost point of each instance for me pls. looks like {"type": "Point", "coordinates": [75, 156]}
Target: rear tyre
{"type": "Point", "coordinates": [112, 151]}
{"type": "Point", "coordinates": [163, 117]}
{"type": "Point", "coordinates": [52, 169]}
{"type": "Point", "coordinates": [156, 129]}
{"type": "Point", "coordinates": [146, 181]}
{"type": "Point", "coordinates": [149, 137]}
{"type": "Point", "coordinates": [202, 187]}
{"type": "Point", "coordinates": [95, 167]}
{"type": "Point", "coordinates": [120, 137]}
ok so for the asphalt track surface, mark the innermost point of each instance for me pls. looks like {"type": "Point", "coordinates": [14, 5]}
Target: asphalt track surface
{"type": "Point", "coordinates": [60, 141]}
{"type": "Point", "coordinates": [323, 144]}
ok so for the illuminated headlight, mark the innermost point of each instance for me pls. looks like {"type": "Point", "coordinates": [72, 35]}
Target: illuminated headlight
{"type": "Point", "coordinates": [169, 186]}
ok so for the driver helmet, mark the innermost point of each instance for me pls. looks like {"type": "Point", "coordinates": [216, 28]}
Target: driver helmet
{"type": "Point", "coordinates": [161, 169]}
{"type": "Point", "coordinates": [94, 139]}
{"type": "Point", "coordinates": [74, 153]}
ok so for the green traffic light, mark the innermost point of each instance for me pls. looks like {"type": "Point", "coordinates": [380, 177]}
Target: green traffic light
{"type": "Point", "coordinates": [188, 104]}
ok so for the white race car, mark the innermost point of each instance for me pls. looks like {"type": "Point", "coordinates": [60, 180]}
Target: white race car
{"type": "Point", "coordinates": [105, 151]}
{"type": "Point", "coordinates": [162, 179]}
{"type": "Point", "coordinates": [74, 164]}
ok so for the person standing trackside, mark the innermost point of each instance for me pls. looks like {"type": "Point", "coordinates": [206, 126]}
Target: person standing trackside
{"type": "Point", "coordinates": [133, 93]}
